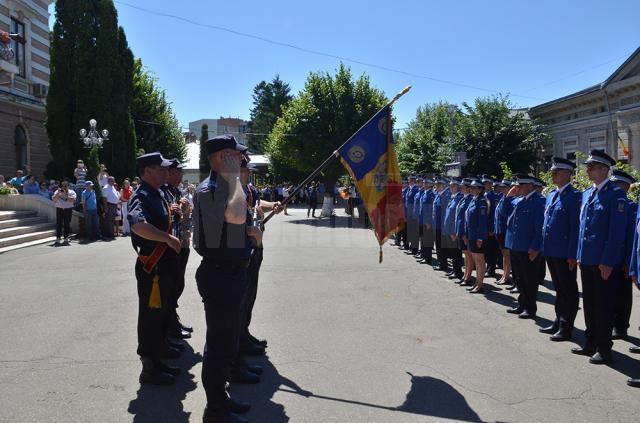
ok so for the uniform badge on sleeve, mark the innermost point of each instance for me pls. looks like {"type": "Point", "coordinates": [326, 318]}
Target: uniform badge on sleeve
{"type": "Point", "coordinates": [621, 204]}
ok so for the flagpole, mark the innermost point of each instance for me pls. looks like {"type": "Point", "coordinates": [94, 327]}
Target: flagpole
{"type": "Point", "coordinates": [333, 155]}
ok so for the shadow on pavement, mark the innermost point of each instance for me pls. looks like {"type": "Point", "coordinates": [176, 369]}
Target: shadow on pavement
{"type": "Point", "coordinates": [427, 396]}
{"type": "Point", "coordinates": [331, 222]}
{"type": "Point", "coordinates": [155, 404]}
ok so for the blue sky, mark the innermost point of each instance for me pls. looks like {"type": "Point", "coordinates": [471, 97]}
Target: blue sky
{"type": "Point", "coordinates": [517, 47]}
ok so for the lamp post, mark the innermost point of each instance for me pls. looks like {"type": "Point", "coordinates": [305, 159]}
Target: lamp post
{"type": "Point", "coordinates": [93, 138]}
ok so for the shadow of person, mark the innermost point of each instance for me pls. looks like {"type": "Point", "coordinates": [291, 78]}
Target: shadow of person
{"type": "Point", "coordinates": [157, 404]}
{"type": "Point", "coordinates": [429, 396]}
{"type": "Point", "coordinates": [331, 222]}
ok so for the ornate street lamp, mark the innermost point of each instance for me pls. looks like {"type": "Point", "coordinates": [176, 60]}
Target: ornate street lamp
{"type": "Point", "coordinates": [93, 138]}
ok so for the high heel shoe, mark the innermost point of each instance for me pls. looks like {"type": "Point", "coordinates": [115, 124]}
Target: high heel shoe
{"type": "Point", "coordinates": [477, 290]}
{"type": "Point", "coordinates": [471, 288]}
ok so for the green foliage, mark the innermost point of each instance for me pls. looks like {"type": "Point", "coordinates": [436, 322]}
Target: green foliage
{"type": "Point", "coordinates": [157, 128]}
{"type": "Point", "coordinates": [204, 161]}
{"type": "Point", "coordinates": [634, 191]}
{"type": "Point", "coordinates": [5, 190]}
{"type": "Point", "coordinates": [426, 145]}
{"type": "Point", "coordinates": [318, 120]}
{"type": "Point", "coordinates": [91, 67]}
{"type": "Point", "coordinates": [507, 173]}
{"type": "Point", "coordinates": [268, 100]}
{"type": "Point", "coordinates": [491, 134]}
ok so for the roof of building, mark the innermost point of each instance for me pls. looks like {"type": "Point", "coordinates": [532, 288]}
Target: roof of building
{"type": "Point", "coordinates": [615, 76]}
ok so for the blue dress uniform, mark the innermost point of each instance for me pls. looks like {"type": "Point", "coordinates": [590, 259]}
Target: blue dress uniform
{"type": "Point", "coordinates": [449, 232]}
{"type": "Point", "coordinates": [413, 235]}
{"type": "Point", "coordinates": [222, 281]}
{"type": "Point", "coordinates": [154, 271]}
{"type": "Point", "coordinates": [426, 222]}
{"type": "Point", "coordinates": [560, 244]}
{"type": "Point", "coordinates": [634, 271]}
{"type": "Point", "coordinates": [461, 212]}
{"type": "Point", "coordinates": [477, 223]}
{"type": "Point", "coordinates": [524, 233]}
{"type": "Point", "coordinates": [401, 237]}
{"type": "Point", "coordinates": [624, 298]}
{"type": "Point", "coordinates": [492, 249]}
{"type": "Point", "coordinates": [603, 219]}
{"type": "Point", "coordinates": [417, 216]}
{"type": "Point", "coordinates": [439, 207]}
{"type": "Point", "coordinates": [503, 210]}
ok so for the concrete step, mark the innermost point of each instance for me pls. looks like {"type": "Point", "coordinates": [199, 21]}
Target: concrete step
{"type": "Point", "coordinates": [25, 238]}
{"type": "Point", "coordinates": [25, 221]}
{"type": "Point", "coordinates": [48, 239]}
{"type": "Point", "coordinates": [13, 214]}
{"type": "Point", "coordinates": [26, 229]}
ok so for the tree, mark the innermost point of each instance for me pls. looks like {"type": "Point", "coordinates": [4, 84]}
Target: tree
{"type": "Point", "coordinates": [204, 161]}
{"type": "Point", "coordinates": [268, 101]}
{"type": "Point", "coordinates": [90, 78]}
{"type": "Point", "coordinates": [426, 145]}
{"type": "Point", "coordinates": [318, 120]}
{"type": "Point", "coordinates": [490, 133]}
{"type": "Point", "coordinates": [157, 128]}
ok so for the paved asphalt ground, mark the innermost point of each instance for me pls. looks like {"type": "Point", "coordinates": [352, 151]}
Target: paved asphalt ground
{"type": "Point", "coordinates": [350, 340]}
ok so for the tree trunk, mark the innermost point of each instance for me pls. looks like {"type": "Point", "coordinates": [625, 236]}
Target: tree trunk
{"type": "Point", "coordinates": [327, 205]}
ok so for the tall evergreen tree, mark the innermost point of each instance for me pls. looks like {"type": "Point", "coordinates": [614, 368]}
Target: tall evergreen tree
{"type": "Point", "coordinates": [268, 100]}
{"type": "Point", "coordinates": [91, 67]}
{"type": "Point", "coordinates": [157, 128]}
{"type": "Point", "coordinates": [204, 161]}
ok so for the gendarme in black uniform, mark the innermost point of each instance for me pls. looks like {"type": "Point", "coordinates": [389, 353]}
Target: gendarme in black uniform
{"type": "Point", "coordinates": [222, 282]}
{"type": "Point", "coordinates": [154, 273]}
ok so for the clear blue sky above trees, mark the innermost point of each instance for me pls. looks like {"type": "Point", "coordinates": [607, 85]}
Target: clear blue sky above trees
{"type": "Point", "coordinates": [517, 47]}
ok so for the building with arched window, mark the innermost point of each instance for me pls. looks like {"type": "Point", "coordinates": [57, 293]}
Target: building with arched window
{"type": "Point", "coordinates": [24, 82]}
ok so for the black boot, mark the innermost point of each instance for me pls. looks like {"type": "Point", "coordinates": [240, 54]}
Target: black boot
{"type": "Point", "coordinates": [153, 374]}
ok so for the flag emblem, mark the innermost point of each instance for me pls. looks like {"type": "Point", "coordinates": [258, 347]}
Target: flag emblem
{"type": "Point", "coordinates": [356, 154]}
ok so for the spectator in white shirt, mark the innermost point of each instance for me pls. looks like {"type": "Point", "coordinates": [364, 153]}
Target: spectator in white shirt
{"type": "Point", "coordinates": [64, 200]}
{"type": "Point", "coordinates": [111, 199]}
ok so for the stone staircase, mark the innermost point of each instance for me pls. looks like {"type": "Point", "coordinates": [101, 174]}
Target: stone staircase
{"type": "Point", "coordinates": [23, 228]}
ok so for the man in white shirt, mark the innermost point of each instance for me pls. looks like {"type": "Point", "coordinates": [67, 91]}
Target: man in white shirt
{"type": "Point", "coordinates": [64, 199]}
{"type": "Point", "coordinates": [110, 199]}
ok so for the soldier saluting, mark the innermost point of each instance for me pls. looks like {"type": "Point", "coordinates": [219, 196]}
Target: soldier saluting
{"type": "Point", "coordinates": [150, 219]}
{"type": "Point", "coordinates": [225, 242]}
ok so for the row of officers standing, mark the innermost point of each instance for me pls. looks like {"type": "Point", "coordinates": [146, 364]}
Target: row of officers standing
{"type": "Point", "coordinates": [478, 224]}
{"type": "Point", "coordinates": [226, 222]}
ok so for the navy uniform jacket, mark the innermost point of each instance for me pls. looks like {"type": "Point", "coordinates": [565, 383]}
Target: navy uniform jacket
{"type": "Point", "coordinates": [417, 202]}
{"type": "Point", "coordinates": [561, 223]}
{"type": "Point", "coordinates": [449, 226]}
{"type": "Point", "coordinates": [439, 207]}
{"type": "Point", "coordinates": [603, 222]}
{"type": "Point", "coordinates": [411, 194]}
{"type": "Point", "coordinates": [476, 219]}
{"type": "Point", "coordinates": [632, 210]}
{"type": "Point", "coordinates": [524, 225]}
{"type": "Point", "coordinates": [633, 267]}
{"type": "Point", "coordinates": [426, 207]}
{"type": "Point", "coordinates": [405, 191]}
{"type": "Point", "coordinates": [492, 198]}
{"type": "Point", "coordinates": [503, 210]}
{"type": "Point", "coordinates": [461, 212]}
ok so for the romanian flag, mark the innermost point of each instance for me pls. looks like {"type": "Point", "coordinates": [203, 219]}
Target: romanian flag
{"type": "Point", "coordinates": [370, 158]}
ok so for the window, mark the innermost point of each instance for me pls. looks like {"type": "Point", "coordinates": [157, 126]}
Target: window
{"type": "Point", "coordinates": [18, 47]}
{"type": "Point", "coordinates": [571, 156]}
{"type": "Point", "coordinates": [20, 141]}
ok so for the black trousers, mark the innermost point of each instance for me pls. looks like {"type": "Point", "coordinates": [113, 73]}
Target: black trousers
{"type": "Point", "coordinates": [413, 234]}
{"type": "Point", "coordinates": [440, 252]}
{"type": "Point", "coordinates": [63, 222]}
{"type": "Point", "coordinates": [402, 235]}
{"type": "Point", "coordinates": [223, 293]}
{"type": "Point", "coordinates": [181, 268]}
{"type": "Point", "coordinates": [312, 208]}
{"type": "Point", "coordinates": [153, 323]}
{"type": "Point", "coordinates": [456, 261]}
{"type": "Point", "coordinates": [565, 283]}
{"type": "Point", "coordinates": [527, 279]}
{"type": "Point", "coordinates": [253, 274]}
{"type": "Point", "coordinates": [598, 300]}
{"type": "Point", "coordinates": [542, 270]}
{"type": "Point", "coordinates": [492, 251]}
{"type": "Point", "coordinates": [624, 303]}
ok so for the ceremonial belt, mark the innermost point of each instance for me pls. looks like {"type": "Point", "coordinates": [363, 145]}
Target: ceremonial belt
{"type": "Point", "coordinates": [152, 260]}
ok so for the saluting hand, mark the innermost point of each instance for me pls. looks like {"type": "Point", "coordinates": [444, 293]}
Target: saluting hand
{"type": "Point", "coordinates": [605, 271]}
{"type": "Point", "coordinates": [533, 254]}
{"type": "Point", "coordinates": [479, 243]}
